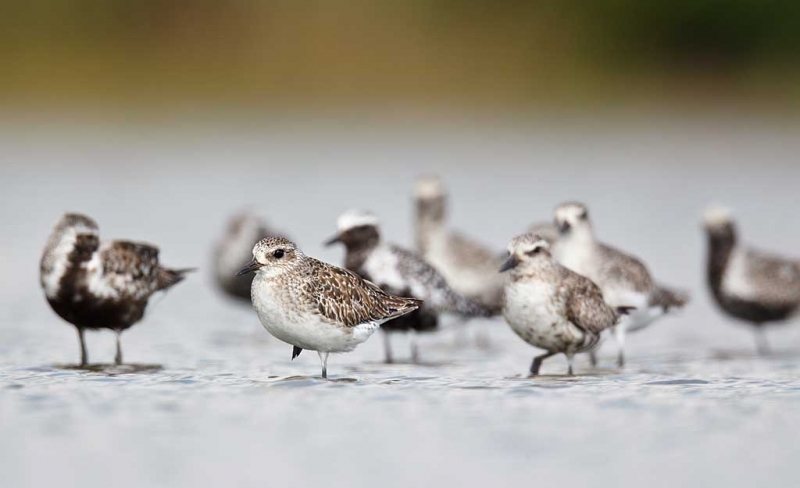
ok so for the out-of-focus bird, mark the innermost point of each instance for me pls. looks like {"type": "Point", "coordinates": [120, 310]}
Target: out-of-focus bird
{"type": "Point", "coordinates": [468, 266]}
{"type": "Point", "coordinates": [95, 285]}
{"type": "Point", "coordinates": [624, 280]}
{"type": "Point", "coordinates": [747, 284]}
{"type": "Point", "coordinates": [235, 247]}
{"type": "Point", "coordinates": [399, 272]}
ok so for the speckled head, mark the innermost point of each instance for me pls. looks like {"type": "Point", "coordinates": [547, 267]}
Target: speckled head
{"type": "Point", "coordinates": [572, 217]}
{"type": "Point", "coordinates": [526, 248]}
{"type": "Point", "coordinates": [356, 228]}
{"type": "Point", "coordinates": [273, 256]}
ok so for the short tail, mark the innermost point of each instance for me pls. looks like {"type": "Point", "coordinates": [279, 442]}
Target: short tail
{"type": "Point", "coordinates": [668, 298]}
{"type": "Point", "coordinates": [398, 306]}
{"type": "Point", "coordinates": [168, 278]}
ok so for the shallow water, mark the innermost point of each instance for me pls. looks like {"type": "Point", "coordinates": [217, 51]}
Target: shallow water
{"type": "Point", "coordinates": [208, 398]}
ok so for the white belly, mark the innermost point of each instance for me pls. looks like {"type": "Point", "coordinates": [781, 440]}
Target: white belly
{"type": "Point", "coordinates": [303, 328]}
{"type": "Point", "coordinates": [534, 315]}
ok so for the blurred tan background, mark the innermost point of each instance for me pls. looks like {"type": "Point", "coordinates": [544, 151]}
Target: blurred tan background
{"type": "Point", "coordinates": [154, 55]}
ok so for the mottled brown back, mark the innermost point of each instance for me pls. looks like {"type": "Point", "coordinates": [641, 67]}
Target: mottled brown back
{"type": "Point", "coordinates": [345, 298]}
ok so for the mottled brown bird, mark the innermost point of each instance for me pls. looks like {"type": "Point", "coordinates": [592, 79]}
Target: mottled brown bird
{"type": "Point", "coordinates": [100, 286]}
{"type": "Point", "coordinates": [549, 306]}
{"type": "Point", "coordinates": [314, 305]}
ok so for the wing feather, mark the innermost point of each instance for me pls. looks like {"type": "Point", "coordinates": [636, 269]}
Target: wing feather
{"type": "Point", "coordinates": [586, 307]}
{"type": "Point", "coordinates": [130, 268]}
{"type": "Point", "coordinates": [345, 298]}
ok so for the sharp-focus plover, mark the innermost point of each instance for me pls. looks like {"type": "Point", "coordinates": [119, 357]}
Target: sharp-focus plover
{"type": "Point", "coordinates": [234, 248]}
{"type": "Point", "coordinates": [549, 306]}
{"type": "Point", "coordinates": [314, 305]}
{"type": "Point", "coordinates": [747, 284]}
{"type": "Point", "coordinates": [624, 280]}
{"type": "Point", "coordinates": [100, 286]}
{"type": "Point", "coordinates": [400, 272]}
{"type": "Point", "coordinates": [469, 267]}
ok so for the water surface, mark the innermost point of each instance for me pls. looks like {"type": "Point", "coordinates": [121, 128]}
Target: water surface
{"type": "Point", "coordinates": [209, 399]}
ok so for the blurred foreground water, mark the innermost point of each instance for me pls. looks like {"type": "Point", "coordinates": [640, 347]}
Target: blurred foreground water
{"type": "Point", "coordinates": [216, 401]}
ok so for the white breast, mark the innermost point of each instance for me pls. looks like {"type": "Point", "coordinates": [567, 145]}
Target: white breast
{"type": "Point", "coordinates": [576, 256]}
{"type": "Point", "coordinates": [534, 313]}
{"type": "Point", "coordinates": [283, 315]}
{"type": "Point", "coordinates": [735, 281]}
{"type": "Point", "coordinates": [382, 268]}
{"type": "Point", "coordinates": [56, 265]}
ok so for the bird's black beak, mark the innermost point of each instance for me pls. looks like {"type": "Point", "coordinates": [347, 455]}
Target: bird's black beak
{"type": "Point", "coordinates": [333, 240]}
{"type": "Point", "coordinates": [249, 268]}
{"type": "Point", "coordinates": [510, 263]}
{"type": "Point", "coordinates": [563, 227]}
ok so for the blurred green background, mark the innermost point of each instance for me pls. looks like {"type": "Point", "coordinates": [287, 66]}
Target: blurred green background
{"type": "Point", "coordinates": [511, 55]}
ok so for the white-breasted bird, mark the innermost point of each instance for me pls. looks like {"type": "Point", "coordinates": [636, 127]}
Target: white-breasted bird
{"type": "Point", "coordinates": [314, 305]}
{"type": "Point", "coordinates": [549, 306]}
{"type": "Point", "coordinates": [624, 279]}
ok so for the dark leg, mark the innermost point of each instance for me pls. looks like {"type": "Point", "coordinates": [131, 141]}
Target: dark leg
{"type": "Point", "coordinates": [619, 334]}
{"type": "Point", "coordinates": [414, 347]}
{"type": "Point", "coordinates": [537, 362]}
{"type": "Point", "coordinates": [570, 357]}
{"type": "Point", "coordinates": [593, 357]}
{"type": "Point", "coordinates": [84, 355]}
{"type": "Point", "coordinates": [762, 345]}
{"type": "Point", "coordinates": [118, 357]}
{"type": "Point", "coordinates": [387, 347]}
{"type": "Point", "coordinates": [323, 358]}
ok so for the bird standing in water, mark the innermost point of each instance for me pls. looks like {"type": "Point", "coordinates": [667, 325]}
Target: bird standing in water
{"type": "Point", "coordinates": [95, 285]}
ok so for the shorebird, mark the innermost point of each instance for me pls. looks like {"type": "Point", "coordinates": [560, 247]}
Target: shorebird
{"type": "Point", "coordinates": [624, 280]}
{"type": "Point", "coordinates": [399, 272]}
{"type": "Point", "coordinates": [243, 230]}
{"type": "Point", "coordinates": [100, 286]}
{"type": "Point", "coordinates": [750, 285]}
{"type": "Point", "coordinates": [313, 305]}
{"type": "Point", "coordinates": [549, 306]}
{"type": "Point", "coordinates": [469, 267]}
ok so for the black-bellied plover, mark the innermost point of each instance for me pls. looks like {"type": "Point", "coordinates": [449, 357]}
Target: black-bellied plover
{"type": "Point", "coordinates": [750, 285]}
{"type": "Point", "coordinates": [235, 247]}
{"type": "Point", "coordinates": [624, 280]}
{"type": "Point", "coordinates": [399, 272]}
{"type": "Point", "coordinates": [549, 306]}
{"type": "Point", "coordinates": [100, 286]}
{"type": "Point", "coordinates": [313, 305]}
{"type": "Point", "coordinates": [469, 267]}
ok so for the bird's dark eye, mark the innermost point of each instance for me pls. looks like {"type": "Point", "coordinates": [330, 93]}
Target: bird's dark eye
{"type": "Point", "coordinates": [534, 251]}
{"type": "Point", "coordinates": [278, 254]}
{"type": "Point", "coordinates": [584, 215]}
